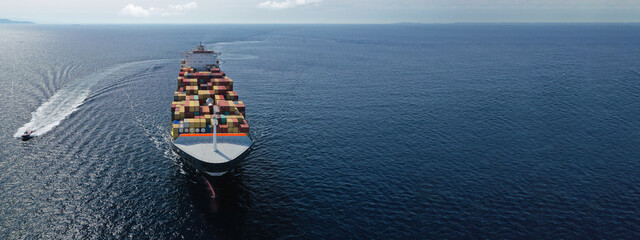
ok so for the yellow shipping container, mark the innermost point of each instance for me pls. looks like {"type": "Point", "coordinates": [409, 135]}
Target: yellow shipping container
{"type": "Point", "coordinates": [203, 94]}
{"type": "Point", "coordinates": [175, 130]}
{"type": "Point", "coordinates": [180, 96]}
{"type": "Point", "coordinates": [236, 116]}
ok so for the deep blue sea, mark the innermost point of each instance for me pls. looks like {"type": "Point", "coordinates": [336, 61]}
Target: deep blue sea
{"type": "Point", "coordinates": [456, 131]}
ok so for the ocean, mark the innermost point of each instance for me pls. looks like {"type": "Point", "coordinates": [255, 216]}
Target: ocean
{"type": "Point", "coordinates": [457, 131]}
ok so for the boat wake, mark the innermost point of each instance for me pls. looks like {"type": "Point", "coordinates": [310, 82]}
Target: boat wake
{"type": "Point", "coordinates": [223, 46]}
{"type": "Point", "coordinates": [52, 112]}
{"type": "Point", "coordinates": [68, 99]}
{"type": "Point", "coordinates": [233, 56]}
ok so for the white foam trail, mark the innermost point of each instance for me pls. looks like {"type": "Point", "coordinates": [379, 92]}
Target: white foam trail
{"type": "Point", "coordinates": [52, 112]}
{"type": "Point", "coordinates": [233, 56]}
{"type": "Point", "coordinates": [67, 100]}
{"type": "Point", "coordinates": [222, 46]}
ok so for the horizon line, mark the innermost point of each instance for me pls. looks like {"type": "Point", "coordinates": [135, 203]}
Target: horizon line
{"type": "Point", "coordinates": [338, 23]}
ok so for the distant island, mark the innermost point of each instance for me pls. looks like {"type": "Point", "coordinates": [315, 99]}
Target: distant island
{"type": "Point", "coordinates": [4, 20]}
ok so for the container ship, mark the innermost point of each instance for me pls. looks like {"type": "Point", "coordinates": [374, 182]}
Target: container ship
{"type": "Point", "coordinates": [208, 126]}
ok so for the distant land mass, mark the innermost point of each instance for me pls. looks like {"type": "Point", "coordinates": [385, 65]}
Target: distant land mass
{"type": "Point", "coordinates": [4, 20]}
{"type": "Point", "coordinates": [408, 23]}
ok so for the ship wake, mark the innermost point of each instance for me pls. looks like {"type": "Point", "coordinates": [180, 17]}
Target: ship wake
{"type": "Point", "coordinates": [68, 100]}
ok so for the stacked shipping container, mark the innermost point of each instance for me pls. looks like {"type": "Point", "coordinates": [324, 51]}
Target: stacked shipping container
{"type": "Point", "coordinates": [191, 114]}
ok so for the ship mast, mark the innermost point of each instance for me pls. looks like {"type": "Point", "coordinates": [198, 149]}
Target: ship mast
{"type": "Point", "coordinates": [200, 47]}
{"type": "Point", "coordinates": [214, 123]}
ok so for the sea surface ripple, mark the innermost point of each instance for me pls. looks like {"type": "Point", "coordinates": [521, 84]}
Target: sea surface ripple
{"type": "Point", "coordinates": [453, 131]}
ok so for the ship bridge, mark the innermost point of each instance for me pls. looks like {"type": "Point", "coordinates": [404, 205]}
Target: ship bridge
{"type": "Point", "coordinates": [201, 59]}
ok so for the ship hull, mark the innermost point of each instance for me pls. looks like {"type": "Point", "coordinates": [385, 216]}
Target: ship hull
{"type": "Point", "coordinates": [211, 169]}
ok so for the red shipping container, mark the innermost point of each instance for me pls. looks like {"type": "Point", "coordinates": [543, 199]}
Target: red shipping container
{"type": "Point", "coordinates": [244, 127]}
{"type": "Point", "coordinates": [224, 106]}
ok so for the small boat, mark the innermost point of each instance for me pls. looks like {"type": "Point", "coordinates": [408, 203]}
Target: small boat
{"type": "Point", "coordinates": [27, 135]}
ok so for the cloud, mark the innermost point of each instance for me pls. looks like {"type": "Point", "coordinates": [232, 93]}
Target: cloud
{"type": "Point", "coordinates": [136, 11]}
{"type": "Point", "coordinates": [139, 11]}
{"type": "Point", "coordinates": [184, 7]}
{"type": "Point", "coordinates": [286, 4]}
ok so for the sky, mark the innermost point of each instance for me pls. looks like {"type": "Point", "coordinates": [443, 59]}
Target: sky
{"type": "Point", "coordinates": [318, 11]}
